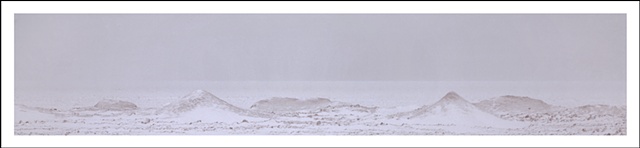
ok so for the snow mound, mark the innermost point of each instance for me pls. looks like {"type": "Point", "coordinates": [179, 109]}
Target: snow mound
{"type": "Point", "coordinates": [453, 109]}
{"type": "Point", "coordinates": [513, 104]}
{"type": "Point", "coordinates": [204, 106]}
{"type": "Point", "coordinates": [197, 99]}
{"type": "Point", "coordinates": [451, 103]}
{"type": "Point", "coordinates": [110, 104]}
{"type": "Point", "coordinates": [290, 104]}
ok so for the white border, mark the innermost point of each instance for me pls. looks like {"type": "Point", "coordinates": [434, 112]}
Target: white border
{"type": "Point", "coordinates": [630, 8]}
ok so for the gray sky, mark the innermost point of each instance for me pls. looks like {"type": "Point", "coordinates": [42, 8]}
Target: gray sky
{"type": "Point", "coordinates": [313, 47]}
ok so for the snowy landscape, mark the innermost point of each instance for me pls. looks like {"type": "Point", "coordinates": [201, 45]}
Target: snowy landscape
{"type": "Point", "coordinates": [202, 113]}
{"type": "Point", "coordinates": [320, 74]}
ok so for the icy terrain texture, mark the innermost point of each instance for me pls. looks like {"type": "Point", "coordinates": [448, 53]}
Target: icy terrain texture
{"type": "Point", "coordinates": [202, 113]}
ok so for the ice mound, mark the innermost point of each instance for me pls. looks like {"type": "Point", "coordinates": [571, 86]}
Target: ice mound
{"type": "Point", "coordinates": [513, 104]}
{"type": "Point", "coordinates": [450, 104]}
{"type": "Point", "coordinates": [196, 99]}
{"type": "Point", "coordinates": [204, 106]}
{"type": "Point", "coordinates": [290, 104]}
{"type": "Point", "coordinates": [453, 109]}
{"type": "Point", "coordinates": [110, 104]}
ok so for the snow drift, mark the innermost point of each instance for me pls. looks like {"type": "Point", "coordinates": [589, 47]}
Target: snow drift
{"type": "Point", "coordinates": [204, 106]}
{"type": "Point", "coordinates": [455, 110]}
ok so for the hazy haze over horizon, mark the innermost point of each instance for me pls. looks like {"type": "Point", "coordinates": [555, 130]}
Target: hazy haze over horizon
{"type": "Point", "coordinates": [63, 49]}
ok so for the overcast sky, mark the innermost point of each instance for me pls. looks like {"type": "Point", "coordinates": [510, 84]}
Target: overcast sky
{"type": "Point", "coordinates": [313, 47]}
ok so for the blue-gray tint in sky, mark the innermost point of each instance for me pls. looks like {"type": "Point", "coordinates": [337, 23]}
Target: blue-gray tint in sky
{"type": "Point", "coordinates": [327, 47]}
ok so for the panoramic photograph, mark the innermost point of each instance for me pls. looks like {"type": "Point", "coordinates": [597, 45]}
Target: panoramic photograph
{"type": "Point", "coordinates": [320, 74]}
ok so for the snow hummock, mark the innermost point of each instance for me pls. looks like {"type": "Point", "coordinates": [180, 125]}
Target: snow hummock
{"type": "Point", "coordinates": [204, 106]}
{"type": "Point", "coordinates": [110, 104]}
{"type": "Point", "coordinates": [451, 103]}
{"type": "Point", "coordinates": [455, 110]}
{"type": "Point", "coordinates": [278, 104]}
{"type": "Point", "coordinates": [513, 104]}
{"type": "Point", "coordinates": [198, 99]}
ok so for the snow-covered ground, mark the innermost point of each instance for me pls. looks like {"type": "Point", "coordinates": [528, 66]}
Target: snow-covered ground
{"type": "Point", "coordinates": [203, 113]}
